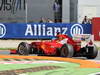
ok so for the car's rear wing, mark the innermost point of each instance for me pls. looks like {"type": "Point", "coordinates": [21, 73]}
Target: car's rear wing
{"type": "Point", "coordinates": [84, 37]}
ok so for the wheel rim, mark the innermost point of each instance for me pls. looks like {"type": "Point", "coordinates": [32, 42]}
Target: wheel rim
{"type": "Point", "coordinates": [22, 49]}
{"type": "Point", "coordinates": [64, 52]}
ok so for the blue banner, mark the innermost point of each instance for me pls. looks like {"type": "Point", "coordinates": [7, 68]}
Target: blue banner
{"type": "Point", "coordinates": [41, 30]}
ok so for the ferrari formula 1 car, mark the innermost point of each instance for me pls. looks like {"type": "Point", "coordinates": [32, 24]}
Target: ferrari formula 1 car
{"type": "Point", "coordinates": [62, 46]}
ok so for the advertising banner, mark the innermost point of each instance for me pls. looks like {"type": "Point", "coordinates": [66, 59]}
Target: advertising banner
{"type": "Point", "coordinates": [96, 28]}
{"type": "Point", "coordinates": [41, 30]}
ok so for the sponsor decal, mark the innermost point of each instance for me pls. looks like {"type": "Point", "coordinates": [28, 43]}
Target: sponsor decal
{"type": "Point", "coordinates": [2, 30]}
{"type": "Point", "coordinates": [43, 30]}
{"type": "Point", "coordinates": [76, 29]}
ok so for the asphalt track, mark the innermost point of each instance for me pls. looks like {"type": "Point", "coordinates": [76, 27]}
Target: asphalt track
{"type": "Point", "coordinates": [7, 52]}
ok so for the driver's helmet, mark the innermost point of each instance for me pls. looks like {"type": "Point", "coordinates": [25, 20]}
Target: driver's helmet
{"type": "Point", "coordinates": [61, 36]}
{"type": "Point", "coordinates": [58, 33]}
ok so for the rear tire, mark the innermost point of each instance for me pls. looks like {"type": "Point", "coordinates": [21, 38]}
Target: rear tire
{"type": "Point", "coordinates": [91, 52]}
{"type": "Point", "coordinates": [67, 51]}
{"type": "Point", "coordinates": [23, 48]}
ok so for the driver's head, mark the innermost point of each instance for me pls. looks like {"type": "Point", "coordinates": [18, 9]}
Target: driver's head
{"type": "Point", "coordinates": [58, 33]}
{"type": "Point", "coordinates": [61, 37]}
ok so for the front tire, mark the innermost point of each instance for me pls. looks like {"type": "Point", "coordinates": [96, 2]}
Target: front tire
{"type": "Point", "coordinates": [23, 48]}
{"type": "Point", "coordinates": [67, 51]}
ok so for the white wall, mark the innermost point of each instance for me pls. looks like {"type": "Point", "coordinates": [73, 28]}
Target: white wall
{"type": "Point", "coordinates": [90, 8]}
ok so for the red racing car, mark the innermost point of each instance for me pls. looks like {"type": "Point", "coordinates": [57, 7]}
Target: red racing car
{"type": "Point", "coordinates": [62, 46]}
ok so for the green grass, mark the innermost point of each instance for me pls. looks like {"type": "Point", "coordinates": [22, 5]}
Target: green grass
{"type": "Point", "coordinates": [6, 48]}
{"type": "Point", "coordinates": [67, 69]}
{"type": "Point", "coordinates": [16, 48]}
{"type": "Point", "coordinates": [22, 66]}
{"type": "Point", "coordinates": [98, 48]}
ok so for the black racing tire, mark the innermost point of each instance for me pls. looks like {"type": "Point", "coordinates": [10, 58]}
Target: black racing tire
{"type": "Point", "coordinates": [67, 51]}
{"type": "Point", "coordinates": [92, 52]}
{"type": "Point", "coordinates": [23, 48]}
